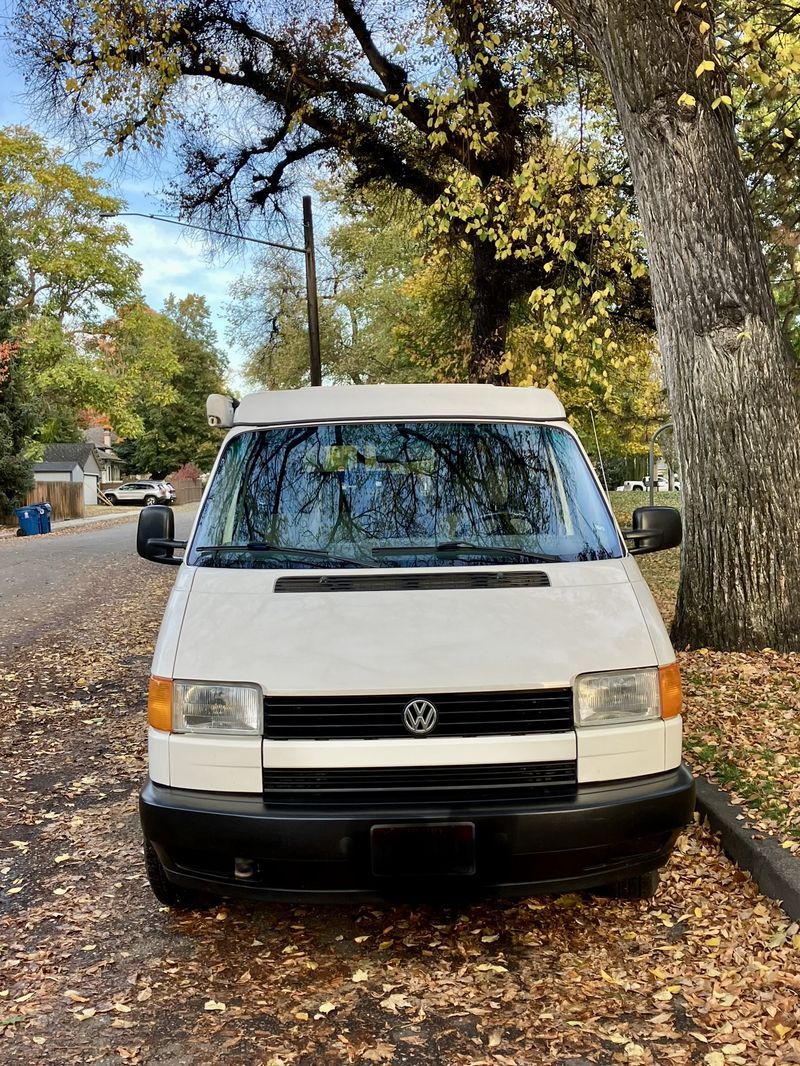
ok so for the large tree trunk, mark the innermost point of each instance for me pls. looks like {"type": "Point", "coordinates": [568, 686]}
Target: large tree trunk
{"type": "Point", "coordinates": [494, 287]}
{"type": "Point", "coordinates": [730, 377]}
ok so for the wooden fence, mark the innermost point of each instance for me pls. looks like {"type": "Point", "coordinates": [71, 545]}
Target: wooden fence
{"type": "Point", "coordinates": [187, 491]}
{"type": "Point", "coordinates": [65, 497]}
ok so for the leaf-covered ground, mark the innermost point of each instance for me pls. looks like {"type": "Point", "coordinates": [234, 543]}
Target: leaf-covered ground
{"type": "Point", "coordinates": [742, 723]}
{"type": "Point", "coordinates": [93, 970]}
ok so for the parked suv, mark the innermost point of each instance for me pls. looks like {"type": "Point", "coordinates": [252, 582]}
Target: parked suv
{"type": "Point", "coordinates": [142, 492]}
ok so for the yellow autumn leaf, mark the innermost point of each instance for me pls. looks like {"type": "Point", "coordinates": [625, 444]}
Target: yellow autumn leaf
{"type": "Point", "coordinates": [327, 1007]}
{"type": "Point", "coordinates": [686, 100]}
{"type": "Point", "coordinates": [212, 1004]}
{"type": "Point", "coordinates": [704, 27]}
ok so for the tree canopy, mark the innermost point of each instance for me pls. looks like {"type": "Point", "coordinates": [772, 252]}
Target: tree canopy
{"type": "Point", "coordinates": [460, 106]}
{"type": "Point", "coordinates": [16, 405]}
{"type": "Point", "coordinates": [70, 259]}
{"type": "Point", "coordinates": [174, 429]}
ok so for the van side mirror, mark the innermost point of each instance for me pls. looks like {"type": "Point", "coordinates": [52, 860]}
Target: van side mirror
{"type": "Point", "coordinates": [155, 535]}
{"type": "Point", "coordinates": [654, 530]}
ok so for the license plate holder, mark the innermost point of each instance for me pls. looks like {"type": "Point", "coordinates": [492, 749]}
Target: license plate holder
{"type": "Point", "coordinates": [423, 850]}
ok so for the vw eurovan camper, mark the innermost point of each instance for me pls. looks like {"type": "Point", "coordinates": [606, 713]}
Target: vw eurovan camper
{"type": "Point", "coordinates": [408, 649]}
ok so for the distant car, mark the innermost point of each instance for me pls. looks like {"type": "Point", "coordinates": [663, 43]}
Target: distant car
{"type": "Point", "coordinates": [144, 493]}
{"type": "Point", "coordinates": [641, 486]}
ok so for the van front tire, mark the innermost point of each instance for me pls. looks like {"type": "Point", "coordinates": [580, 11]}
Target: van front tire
{"type": "Point", "coordinates": [643, 886]}
{"type": "Point", "coordinates": [163, 889]}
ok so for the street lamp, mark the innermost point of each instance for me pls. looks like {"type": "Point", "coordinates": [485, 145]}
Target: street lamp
{"type": "Point", "coordinates": [312, 302]}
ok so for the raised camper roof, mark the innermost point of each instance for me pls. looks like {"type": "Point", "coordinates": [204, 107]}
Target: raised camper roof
{"type": "Point", "coordinates": [392, 402]}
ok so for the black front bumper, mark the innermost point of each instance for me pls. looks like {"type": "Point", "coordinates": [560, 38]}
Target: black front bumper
{"type": "Point", "coordinates": [596, 835]}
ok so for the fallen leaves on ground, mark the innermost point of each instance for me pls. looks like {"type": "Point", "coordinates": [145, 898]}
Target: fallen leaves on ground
{"type": "Point", "coordinates": [94, 970]}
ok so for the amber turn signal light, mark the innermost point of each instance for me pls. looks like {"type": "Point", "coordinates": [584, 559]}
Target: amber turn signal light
{"type": "Point", "coordinates": [159, 703]}
{"type": "Point", "coordinates": [669, 683]}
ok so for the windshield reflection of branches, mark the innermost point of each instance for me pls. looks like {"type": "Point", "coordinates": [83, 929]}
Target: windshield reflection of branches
{"type": "Point", "coordinates": [352, 487]}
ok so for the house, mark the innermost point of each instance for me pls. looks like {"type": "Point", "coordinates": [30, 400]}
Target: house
{"type": "Point", "coordinates": [71, 462]}
{"type": "Point", "coordinates": [112, 468]}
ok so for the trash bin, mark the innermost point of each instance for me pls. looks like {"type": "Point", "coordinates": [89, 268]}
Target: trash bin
{"type": "Point", "coordinates": [44, 509]}
{"type": "Point", "coordinates": [28, 518]}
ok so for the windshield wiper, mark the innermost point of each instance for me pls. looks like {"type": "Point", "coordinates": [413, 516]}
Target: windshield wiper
{"type": "Point", "coordinates": [283, 549]}
{"type": "Point", "coordinates": [464, 547]}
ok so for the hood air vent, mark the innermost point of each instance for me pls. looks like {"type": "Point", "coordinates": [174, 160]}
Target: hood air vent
{"type": "Point", "coordinates": [484, 579]}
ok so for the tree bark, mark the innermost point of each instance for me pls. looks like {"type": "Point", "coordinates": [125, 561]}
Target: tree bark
{"type": "Point", "coordinates": [731, 379]}
{"type": "Point", "coordinates": [495, 287]}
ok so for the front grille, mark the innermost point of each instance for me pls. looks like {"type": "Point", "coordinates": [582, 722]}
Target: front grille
{"type": "Point", "coordinates": [411, 785]}
{"type": "Point", "coordinates": [457, 579]}
{"type": "Point", "coordinates": [481, 714]}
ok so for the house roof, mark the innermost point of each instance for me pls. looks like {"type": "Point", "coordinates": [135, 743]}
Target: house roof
{"type": "Point", "coordinates": [96, 435]}
{"type": "Point", "coordinates": [55, 468]}
{"type": "Point", "coordinates": [69, 453]}
{"type": "Point", "coordinates": [377, 402]}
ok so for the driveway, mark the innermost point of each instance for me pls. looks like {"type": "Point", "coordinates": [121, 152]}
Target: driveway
{"type": "Point", "coordinates": [93, 970]}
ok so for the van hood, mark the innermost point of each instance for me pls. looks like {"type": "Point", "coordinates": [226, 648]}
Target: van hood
{"type": "Point", "coordinates": [236, 628]}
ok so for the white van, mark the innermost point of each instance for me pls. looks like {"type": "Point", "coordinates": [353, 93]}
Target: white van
{"type": "Point", "coordinates": [409, 652]}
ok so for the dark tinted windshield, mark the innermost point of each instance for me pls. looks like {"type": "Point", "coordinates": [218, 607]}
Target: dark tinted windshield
{"type": "Point", "coordinates": [437, 493]}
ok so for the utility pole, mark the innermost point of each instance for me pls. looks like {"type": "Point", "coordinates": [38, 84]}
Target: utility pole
{"type": "Point", "coordinates": [312, 300]}
{"type": "Point", "coordinates": [315, 358]}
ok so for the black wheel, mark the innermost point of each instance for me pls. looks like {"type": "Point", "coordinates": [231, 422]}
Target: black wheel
{"type": "Point", "coordinates": [112, 499]}
{"type": "Point", "coordinates": [20, 533]}
{"type": "Point", "coordinates": [643, 886]}
{"type": "Point", "coordinates": [150, 500]}
{"type": "Point", "coordinates": [164, 890]}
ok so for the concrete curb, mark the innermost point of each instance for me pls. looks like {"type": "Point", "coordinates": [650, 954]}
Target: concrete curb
{"type": "Point", "coordinates": [774, 869]}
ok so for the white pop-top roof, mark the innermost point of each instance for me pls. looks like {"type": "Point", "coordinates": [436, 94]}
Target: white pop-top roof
{"type": "Point", "coordinates": [391, 402]}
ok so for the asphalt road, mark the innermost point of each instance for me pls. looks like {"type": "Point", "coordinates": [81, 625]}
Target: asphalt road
{"type": "Point", "coordinates": [36, 571]}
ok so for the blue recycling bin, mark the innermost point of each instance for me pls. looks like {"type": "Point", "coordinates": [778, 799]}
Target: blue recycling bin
{"type": "Point", "coordinates": [33, 519]}
{"type": "Point", "coordinates": [44, 516]}
{"type": "Point", "coordinates": [28, 518]}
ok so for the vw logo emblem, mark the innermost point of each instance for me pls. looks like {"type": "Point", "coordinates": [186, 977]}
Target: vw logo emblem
{"type": "Point", "coordinates": [420, 717]}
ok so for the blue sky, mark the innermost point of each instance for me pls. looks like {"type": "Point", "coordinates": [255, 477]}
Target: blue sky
{"type": "Point", "coordinates": [173, 260]}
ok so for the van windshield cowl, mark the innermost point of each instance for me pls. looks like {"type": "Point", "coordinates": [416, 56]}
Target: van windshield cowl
{"type": "Point", "coordinates": [403, 494]}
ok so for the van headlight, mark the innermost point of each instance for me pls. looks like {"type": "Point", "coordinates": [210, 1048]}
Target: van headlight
{"type": "Point", "coordinates": [617, 697]}
{"type": "Point", "coordinates": [230, 710]}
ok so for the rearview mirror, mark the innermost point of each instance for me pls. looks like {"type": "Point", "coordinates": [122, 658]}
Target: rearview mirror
{"type": "Point", "coordinates": [654, 529]}
{"type": "Point", "coordinates": [155, 535]}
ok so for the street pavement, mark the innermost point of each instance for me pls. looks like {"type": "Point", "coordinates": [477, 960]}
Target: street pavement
{"type": "Point", "coordinates": [35, 571]}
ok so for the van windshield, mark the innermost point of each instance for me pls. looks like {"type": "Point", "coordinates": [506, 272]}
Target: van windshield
{"type": "Point", "coordinates": [402, 495]}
